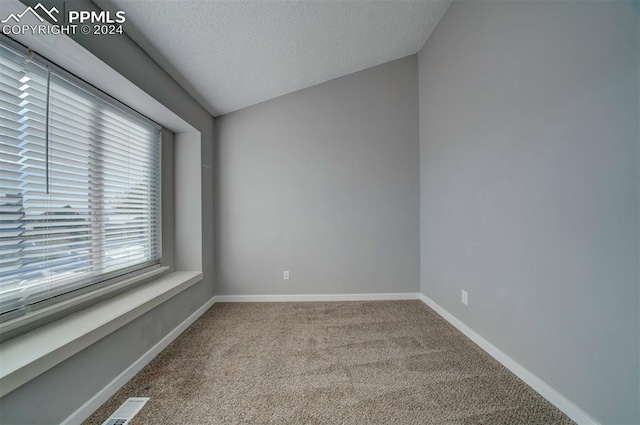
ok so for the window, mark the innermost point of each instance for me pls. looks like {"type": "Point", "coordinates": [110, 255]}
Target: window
{"type": "Point", "coordinates": [79, 185]}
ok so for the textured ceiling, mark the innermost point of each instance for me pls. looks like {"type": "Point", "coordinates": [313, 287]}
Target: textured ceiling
{"type": "Point", "coordinates": [229, 54]}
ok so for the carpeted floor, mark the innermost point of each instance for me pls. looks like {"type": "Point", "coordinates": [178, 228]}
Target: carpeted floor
{"type": "Point", "coordinates": [376, 362]}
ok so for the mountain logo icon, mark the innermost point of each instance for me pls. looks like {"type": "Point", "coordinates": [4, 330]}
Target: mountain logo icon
{"type": "Point", "coordinates": [39, 6]}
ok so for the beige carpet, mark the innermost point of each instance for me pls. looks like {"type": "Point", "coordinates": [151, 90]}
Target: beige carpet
{"type": "Point", "coordinates": [378, 362]}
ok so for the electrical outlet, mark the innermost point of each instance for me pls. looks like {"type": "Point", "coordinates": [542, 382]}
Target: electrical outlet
{"type": "Point", "coordinates": [285, 275]}
{"type": "Point", "coordinates": [465, 297]}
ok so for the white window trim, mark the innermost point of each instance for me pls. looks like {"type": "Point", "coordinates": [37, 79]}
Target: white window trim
{"type": "Point", "coordinates": [30, 354]}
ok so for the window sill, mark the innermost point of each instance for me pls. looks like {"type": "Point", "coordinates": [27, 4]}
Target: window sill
{"type": "Point", "coordinates": [28, 355]}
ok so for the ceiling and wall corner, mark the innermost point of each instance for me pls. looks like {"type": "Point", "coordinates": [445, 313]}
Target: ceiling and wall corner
{"type": "Point", "coordinates": [229, 55]}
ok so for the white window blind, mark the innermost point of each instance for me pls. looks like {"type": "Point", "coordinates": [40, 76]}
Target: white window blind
{"type": "Point", "coordinates": [79, 185]}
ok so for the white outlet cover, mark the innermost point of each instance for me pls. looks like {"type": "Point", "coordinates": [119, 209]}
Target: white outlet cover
{"type": "Point", "coordinates": [286, 275]}
{"type": "Point", "coordinates": [465, 298]}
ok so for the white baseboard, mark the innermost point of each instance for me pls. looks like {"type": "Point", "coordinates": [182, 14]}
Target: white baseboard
{"type": "Point", "coordinates": [553, 396]}
{"type": "Point", "coordinates": [112, 387]}
{"type": "Point", "coordinates": [317, 297]}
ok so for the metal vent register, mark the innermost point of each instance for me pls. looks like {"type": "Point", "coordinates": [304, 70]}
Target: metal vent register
{"type": "Point", "coordinates": [126, 411]}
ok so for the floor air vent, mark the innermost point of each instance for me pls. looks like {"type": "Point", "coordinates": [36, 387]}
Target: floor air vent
{"type": "Point", "coordinates": [126, 411]}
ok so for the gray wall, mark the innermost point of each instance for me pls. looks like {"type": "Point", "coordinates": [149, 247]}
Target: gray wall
{"type": "Point", "coordinates": [168, 212]}
{"type": "Point", "coordinates": [323, 182]}
{"type": "Point", "coordinates": [54, 395]}
{"type": "Point", "coordinates": [529, 189]}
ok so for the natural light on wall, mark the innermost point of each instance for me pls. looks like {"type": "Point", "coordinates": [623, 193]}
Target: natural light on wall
{"type": "Point", "coordinates": [79, 185]}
